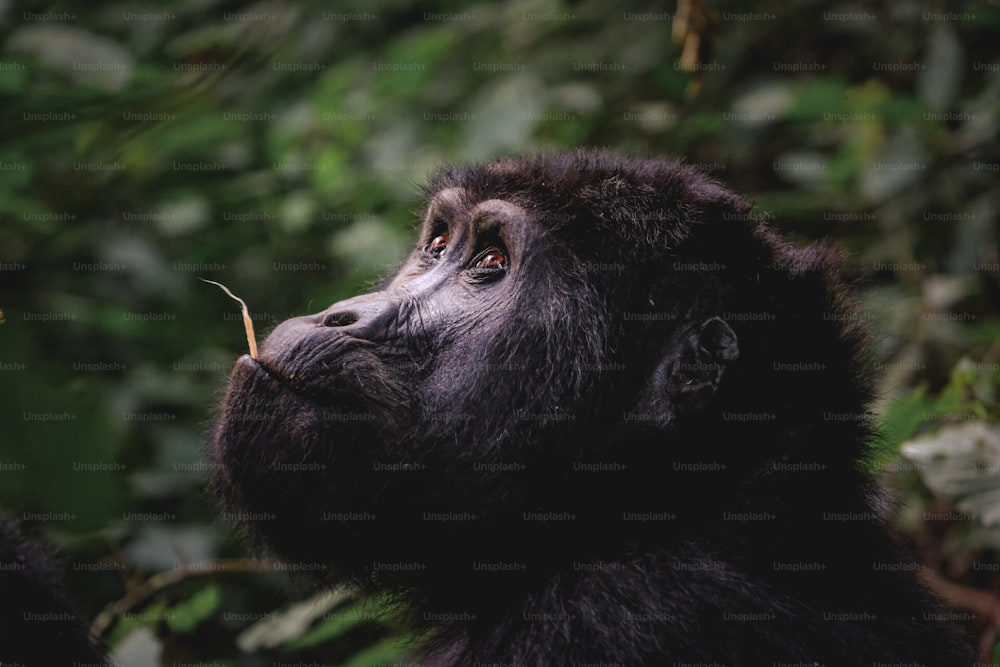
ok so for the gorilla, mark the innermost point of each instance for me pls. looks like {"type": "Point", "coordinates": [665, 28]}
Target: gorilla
{"type": "Point", "coordinates": [38, 623]}
{"type": "Point", "coordinates": [600, 415]}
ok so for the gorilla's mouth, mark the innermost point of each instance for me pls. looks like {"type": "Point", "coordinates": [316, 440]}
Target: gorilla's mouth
{"type": "Point", "coordinates": [254, 366]}
{"type": "Point", "coordinates": [264, 372]}
{"type": "Point", "coordinates": [250, 372]}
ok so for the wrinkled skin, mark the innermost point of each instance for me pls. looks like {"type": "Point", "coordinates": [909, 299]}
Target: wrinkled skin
{"type": "Point", "coordinates": [568, 429]}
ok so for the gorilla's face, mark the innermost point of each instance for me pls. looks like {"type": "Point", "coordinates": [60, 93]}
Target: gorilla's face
{"type": "Point", "coordinates": [384, 362]}
{"type": "Point", "coordinates": [420, 397]}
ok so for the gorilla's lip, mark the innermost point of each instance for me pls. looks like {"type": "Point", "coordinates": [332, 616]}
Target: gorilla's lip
{"type": "Point", "coordinates": [249, 364]}
{"type": "Point", "coordinates": [254, 365]}
{"type": "Point", "coordinates": [266, 373]}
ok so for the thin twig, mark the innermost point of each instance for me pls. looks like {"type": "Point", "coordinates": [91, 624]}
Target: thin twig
{"type": "Point", "coordinates": [158, 582]}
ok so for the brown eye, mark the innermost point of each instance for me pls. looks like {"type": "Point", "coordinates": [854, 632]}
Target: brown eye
{"type": "Point", "coordinates": [492, 259]}
{"type": "Point", "coordinates": [438, 245]}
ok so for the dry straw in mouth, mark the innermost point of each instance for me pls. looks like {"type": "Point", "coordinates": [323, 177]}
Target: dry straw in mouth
{"type": "Point", "coordinates": [247, 322]}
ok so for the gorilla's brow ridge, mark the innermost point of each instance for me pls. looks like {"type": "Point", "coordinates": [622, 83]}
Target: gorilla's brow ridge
{"type": "Point", "coordinates": [486, 215]}
{"type": "Point", "coordinates": [446, 202]}
{"type": "Point", "coordinates": [493, 213]}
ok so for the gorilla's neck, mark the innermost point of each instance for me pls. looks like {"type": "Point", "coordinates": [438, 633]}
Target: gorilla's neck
{"type": "Point", "coordinates": [603, 585]}
{"type": "Point", "coordinates": [663, 498]}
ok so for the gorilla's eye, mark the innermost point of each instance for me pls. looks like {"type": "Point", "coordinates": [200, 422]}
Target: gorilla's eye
{"type": "Point", "coordinates": [437, 246]}
{"type": "Point", "coordinates": [491, 259]}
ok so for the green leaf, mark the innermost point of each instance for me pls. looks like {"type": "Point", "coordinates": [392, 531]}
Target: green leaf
{"type": "Point", "coordinates": [187, 615]}
{"type": "Point", "coordinates": [126, 623]}
{"type": "Point", "coordinates": [336, 624]}
{"type": "Point", "coordinates": [900, 422]}
{"type": "Point", "coordinates": [954, 398]}
{"type": "Point", "coordinates": [386, 652]}
{"type": "Point", "coordinates": [341, 621]}
{"type": "Point", "coordinates": [13, 79]}
{"type": "Point", "coordinates": [817, 98]}
{"type": "Point", "coordinates": [948, 401]}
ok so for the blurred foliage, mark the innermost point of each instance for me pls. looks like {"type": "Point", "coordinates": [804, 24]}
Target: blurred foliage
{"type": "Point", "coordinates": [278, 148]}
{"type": "Point", "coordinates": [969, 396]}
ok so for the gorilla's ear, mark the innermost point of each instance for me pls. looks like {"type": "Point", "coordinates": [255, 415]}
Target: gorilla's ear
{"type": "Point", "coordinates": [690, 372]}
{"type": "Point", "coordinates": [699, 362]}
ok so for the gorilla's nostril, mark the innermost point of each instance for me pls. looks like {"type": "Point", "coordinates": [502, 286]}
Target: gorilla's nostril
{"type": "Point", "coordinates": [340, 319]}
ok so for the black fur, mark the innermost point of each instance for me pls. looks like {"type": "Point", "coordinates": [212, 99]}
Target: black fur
{"type": "Point", "coordinates": [38, 625]}
{"type": "Point", "coordinates": [639, 443]}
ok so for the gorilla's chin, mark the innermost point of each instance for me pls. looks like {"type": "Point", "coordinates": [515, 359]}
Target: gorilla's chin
{"type": "Point", "coordinates": [275, 453]}
{"type": "Point", "coordinates": [255, 402]}
{"type": "Point", "coordinates": [256, 423]}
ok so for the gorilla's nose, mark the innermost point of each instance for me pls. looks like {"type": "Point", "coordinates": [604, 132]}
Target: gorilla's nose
{"type": "Point", "coordinates": [368, 316]}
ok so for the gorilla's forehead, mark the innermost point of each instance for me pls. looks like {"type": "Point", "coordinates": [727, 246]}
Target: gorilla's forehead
{"type": "Point", "coordinates": [456, 202]}
{"type": "Point", "coordinates": [585, 198]}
